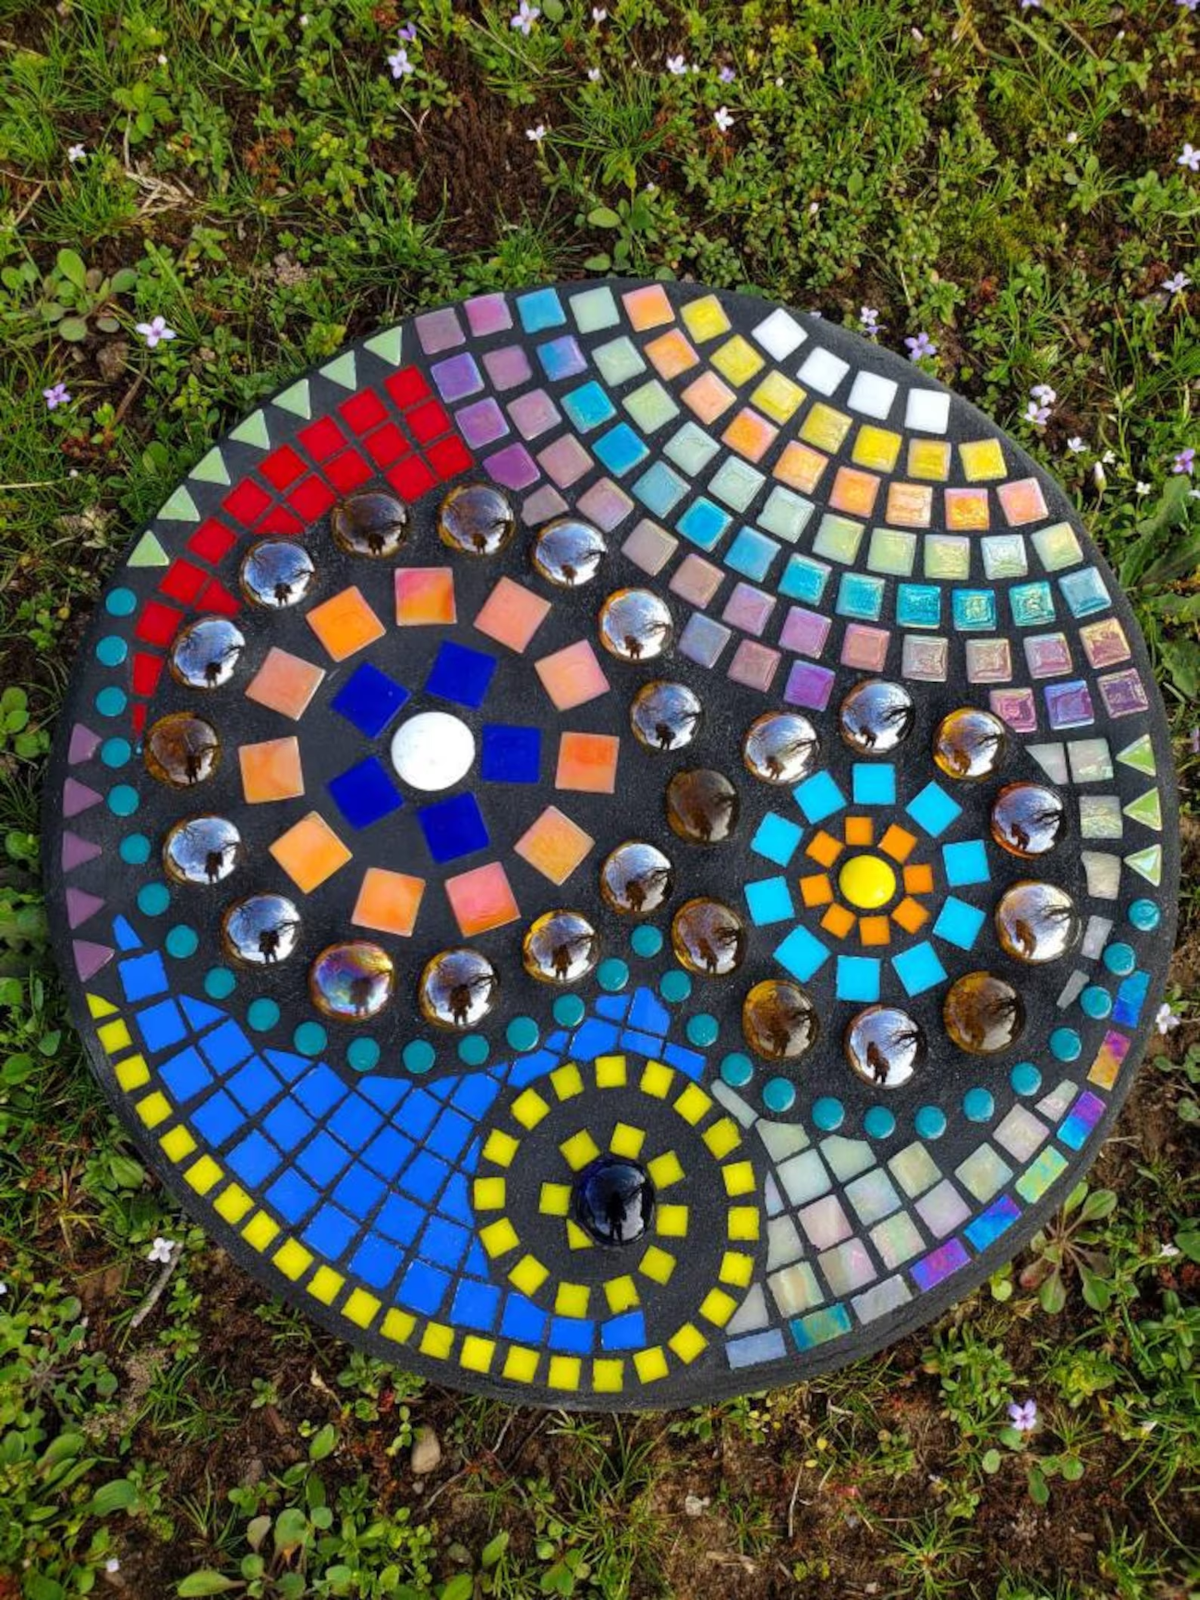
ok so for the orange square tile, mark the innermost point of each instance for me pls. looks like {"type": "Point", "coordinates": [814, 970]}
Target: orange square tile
{"type": "Point", "coordinates": [648, 307]}
{"type": "Point", "coordinates": [838, 921]}
{"type": "Point", "coordinates": [424, 596]}
{"type": "Point", "coordinates": [572, 676]}
{"type": "Point", "coordinates": [898, 843]}
{"type": "Point", "coordinates": [816, 889]}
{"type": "Point", "coordinates": [909, 505]}
{"type": "Point", "coordinates": [511, 614]}
{"type": "Point", "coordinates": [309, 852]}
{"type": "Point", "coordinates": [707, 396]}
{"type": "Point", "coordinates": [286, 683]}
{"type": "Point", "coordinates": [823, 847]}
{"type": "Point", "coordinates": [966, 508]}
{"type": "Point", "coordinates": [801, 466]}
{"type": "Point", "coordinates": [388, 902]}
{"type": "Point", "coordinates": [271, 770]}
{"type": "Point", "coordinates": [587, 762]}
{"type": "Point", "coordinates": [874, 930]}
{"type": "Point", "coordinates": [919, 879]}
{"type": "Point", "coordinates": [909, 915]}
{"type": "Point", "coordinates": [854, 491]}
{"type": "Point", "coordinates": [859, 830]}
{"type": "Point", "coordinates": [345, 623]}
{"type": "Point", "coordinates": [750, 435]}
{"type": "Point", "coordinates": [481, 899]}
{"type": "Point", "coordinates": [671, 353]}
{"type": "Point", "coordinates": [1021, 501]}
{"type": "Point", "coordinates": [554, 845]}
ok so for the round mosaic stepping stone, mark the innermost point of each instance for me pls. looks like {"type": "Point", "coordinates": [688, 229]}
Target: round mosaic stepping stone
{"type": "Point", "coordinates": [615, 844]}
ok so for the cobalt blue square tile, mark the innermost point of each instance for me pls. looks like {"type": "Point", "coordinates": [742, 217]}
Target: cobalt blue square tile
{"type": "Point", "coordinates": [400, 1219]}
{"type": "Point", "coordinates": [918, 605]}
{"type": "Point", "coordinates": [647, 1012]}
{"type": "Point", "coordinates": [218, 1117]}
{"type": "Point", "coordinates": [253, 1158]}
{"type": "Point", "coordinates": [319, 1090]}
{"type": "Point", "coordinates": [769, 900]}
{"type": "Point", "coordinates": [974, 610]}
{"type": "Point", "coordinates": [540, 309]}
{"type": "Point", "coordinates": [703, 523]}
{"type": "Point", "coordinates": [626, 1332]}
{"type": "Point", "coordinates": [1032, 604]}
{"type": "Point", "coordinates": [162, 1025]}
{"type": "Point", "coordinates": [365, 794]}
{"type": "Point", "coordinates": [286, 1125]}
{"type": "Point", "coordinates": [185, 1074]}
{"type": "Point", "coordinates": [561, 357]}
{"type": "Point", "coordinates": [522, 1320]}
{"type": "Point", "coordinates": [475, 1093]}
{"type": "Point", "coordinates": [420, 1109]}
{"type": "Point", "coordinates": [329, 1232]}
{"type": "Point", "coordinates": [292, 1197]}
{"type": "Point", "coordinates": [857, 978]}
{"type": "Point", "coordinates": [859, 596]}
{"type": "Point", "coordinates": [376, 1263]}
{"type": "Point", "coordinates": [475, 1305]}
{"type": "Point", "coordinates": [369, 699]}
{"type": "Point", "coordinates": [873, 785]}
{"type": "Point", "coordinates": [510, 754]}
{"type": "Point", "coordinates": [1084, 592]}
{"type": "Point", "coordinates": [588, 406]}
{"type": "Point", "coordinates": [254, 1086]}
{"type": "Point", "coordinates": [460, 675]}
{"type": "Point", "coordinates": [143, 976]}
{"type": "Point", "coordinates": [422, 1288]}
{"type": "Point", "coordinates": [751, 554]}
{"type": "Point", "coordinates": [384, 1093]}
{"type": "Point", "coordinates": [450, 1135]}
{"type": "Point", "coordinates": [358, 1193]}
{"type": "Point", "coordinates": [620, 449]}
{"type": "Point", "coordinates": [226, 1047]}
{"type": "Point", "coordinates": [322, 1158]}
{"type": "Point", "coordinates": [454, 828]}
{"type": "Point", "coordinates": [354, 1121]}
{"type": "Point", "coordinates": [801, 953]}
{"type": "Point", "coordinates": [776, 838]}
{"type": "Point", "coordinates": [919, 968]}
{"type": "Point", "coordinates": [990, 1224]}
{"type": "Point", "coordinates": [965, 862]}
{"type": "Point", "coordinates": [958, 923]}
{"type": "Point", "coordinates": [659, 489]}
{"type": "Point", "coordinates": [933, 809]}
{"type": "Point", "coordinates": [819, 797]}
{"type": "Point", "coordinates": [444, 1243]}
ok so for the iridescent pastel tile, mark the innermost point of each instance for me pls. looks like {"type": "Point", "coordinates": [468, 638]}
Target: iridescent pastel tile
{"type": "Point", "coordinates": [865, 648]}
{"type": "Point", "coordinates": [588, 406]}
{"type": "Point", "coordinates": [439, 330]}
{"type": "Point", "coordinates": [649, 547]}
{"type": "Point", "coordinates": [488, 313]}
{"type": "Point", "coordinates": [531, 414]}
{"type": "Point", "coordinates": [1124, 693]}
{"type": "Point", "coordinates": [561, 358]}
{"type": "Point", "coordinates": [947, 556]}
{"type": "Point", "coordinates": [1048, 655]}
{"type": "Point", "coordinates": [705, 318]}
{"type": "Point", "coordinates": [749, 434]}
{"type": "Point", "coordinates": [1004, 556]}
{"type": "Point", "coordinates": [785, 514]}
{"type": "Point", "coordinates": [779, 334]}
{"type": "Point", "coordinates": [809, 686]}
{"type": "Point", "coordinates": [748, 608]}
{"type": "Point", "coordinates": [925, 659]}
{"type": "Point", "coordinates": [974, 610]}
{"type": "Point", "coordinates": [1084, 591]}
{"type": "Point", "coordinates": [876, 448]}
{"type": "Point", "coordinates": [891, 552]}
{"type": "Point", "coordinates": [838, 538]}
{"type": "Point", "coordinates": [481, 899]}
{"type": "Point", "coordinates": [943, 1209]}
{"type": "Point", "coordinates": [854, 491]}
{"type": "Point", "coordinates": [804, 579]}
{"type": "Point", "coordinates": [929, 458]}
{"type": "Point", "coordinates": [737, 361]}
{"type": "Point", "coordinates": [696, 580]}
{"type": "Point", "coordinates": [539, 309]}
{"type": "Point", "coordinates": [481, 422]}
{"type": "Point", "coordinates": [565, 461]}
{"type": "Point", "coordinates": [966, 508]}
{"type": "Point", "coordinates": [982, 460]}
{"type": "Point", "coordinates": [671, 353]}
{"type": "Point", "coordinates": [1090, 759]}
{"type": "Point", "coordinates": [513, 467]}
{"type": "Point", "coordinates": [777, 396]}
{"type": "Point", "coordinates": [508, 367]}
{"type": "Point", "coordinates": [736, 483]}
{"type": "Point", "coordinates": [708, 397]}
{"type": "Point", "coordinates": [554, 845]}
{"type": "Point", "coordinates": [1016, 707]}
{"type": "Point", "coordinates": [650, 406]}
{"type": "Point", "coordinates": [824, 1222]}
{"type": "Point", "coordinates": [703, 639]}
{"type": "Point", "coordinates": [752, 554]}
{"type": "Point", "coordinates": [424, 596]}
{"type": "Point", "coordinates": [543, 505]}
{"type": "Point", "coordinates": [984, 1173]}
{"type": "Point", "coordinates": [512, 614]}
{"type": "Point", "coordinates": [1100, 817]}
{"type": "Point", "coordinates": [1020, 1133]}
{"type": "Point", "coordinates": [1104, 643]}
{"type": "Point", "coordinates": [1057, 546]}
{"type": "Point", "coordinates": [605, 504]}
{"type": "Point", "coordinates": [618, 360]}
{"type": "Point", "coordinates": [825, 427]}
{"type": "Point", "coordinates": [1022, 501]}
{"type": "Point", "coordinates": [1032, 604]}
{"type": "Point", "coordinates": [859, 596]}
{"type": "Point", "coordinates": [594, 309]}
{"type": "Point", "coordinates": [909, 505]}
{"type": "Point", "coordinates": [800, 466]}
{"type": "Point", "coordinates": [1069, 705]}
{"type": "Point", "coordinates": [754, 665]}
{"type": "Point", "coordinates": [648, 307]}
{"type": "Point", "coordinates": [572, 676]}
{"type": "Point", "coordinates": [805, 632]}
{"type": "Point", "coordinates": [691, 448]}
{"type": "Point", "coordinates": [989, 661]}
{"type": "Point", "coordinates": [285, 683]}
{"type": "Point", "coordinates": [457, 377]}
{"type": "Point", "coordinates": [846, 1268]}
{"type": "Point", "coordinates": [897, 1240]}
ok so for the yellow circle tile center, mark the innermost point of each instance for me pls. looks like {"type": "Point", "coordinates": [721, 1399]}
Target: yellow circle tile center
{"type": "Point", "coordinates": [868, 882]}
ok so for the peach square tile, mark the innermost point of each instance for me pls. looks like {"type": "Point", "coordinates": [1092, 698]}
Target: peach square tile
{"type": "Point", "coordinates": [572, 676]}
{"type": "Point", "coordinates": [271, 770]}
{"type": "Point", "coordinates": [909, 505]}
{"type": "Point", "coordinates": [286, 683]}
{"type": "Point", "coordinates": [929, 458]}
{"type": "Point", "coordinates": [671, 353]}
{"type": "Point", "coordinates": [554, 845]}
{"type": "Point", "coordinates": [511, 614]}
{"type": "Point", "coordinates": [801, 466]}
{"type": "Point", "coordinates": [481, 899]}
{"type": "Point", "coordinates": [707, 396]}
{"type": "Point", "coordinates": [854, 491]}
{"type": "Point", "coordinates": [750, 435]}
{"type": "Point", "coordinates": [966, 508]}
{"type": "Point", "coordinates": [424, 596]}
{"type": "Point", "coordinates": [345, 623]}
{"type": "Point", "coordinates": [587, 763]}
{"type": "Point", "coordinates": [309, 852]}
{"type": "Point", "coordinates": [388, 902]}
{"type": "Point", "coordinates": [1022, 501]}
{"type": "Point", "coordinates": [648, 307]}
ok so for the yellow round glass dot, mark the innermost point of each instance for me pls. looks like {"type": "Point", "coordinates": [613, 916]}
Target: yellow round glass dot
{"type": "Point", "coordinates": [867, 882]}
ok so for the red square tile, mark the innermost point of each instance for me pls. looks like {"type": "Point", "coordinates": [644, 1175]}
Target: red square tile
{"type": "Point", "coordinates": [428, 421]}
{"type": "Point", "coordinates": [363, 411]}
{"type": "Point", "coordinates": [347, 471]}
{"type": "Point", "coordinates": [212, 541]}
{"type": "Point", "coordinates": [311, 498]}
{"type": "Point", "coordinates": [138, 717]}
{"type": "Point", "coordinates": [216, 597]}
{"type": "Point", "coordinates": [183, 582]}
{"type": "Point", "coordinates": [282, 467]}
{"type": "Point", "coordinates": [406, 387]}
{"type": "Point", "coordinates": [280, 520]}
{"type": "Point", "coordinates": [411, 479]}
{"type": "Point", "coordinates": [147, 670]}
{"type": "Point", "coordinates": [386, 445]}
{"type": "Point", "coordinates": [247, 502]}
{"type": "Point", "coordinates": [449, 457]}
{"type": "Point", "coordinates": [158, 623]}
{"type": "Point", "coordinates": [321, 439]}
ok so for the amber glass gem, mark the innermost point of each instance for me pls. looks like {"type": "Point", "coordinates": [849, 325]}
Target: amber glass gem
{"type": "Point", "coordinates": [457, 989]}
{"type": "Point", "coordinates": [636, 878]}
{"type": "Point", "coordinates": [370, 524]}
{"type": "Point", "coordinates": [969, 744]}
{"type": "Point", "coordinates": [351, 981]}
{"type": "Point", "coordinates": [201, 850]}
{"type": "Point", "coordinates": [261, 930]}
{"type": "Point", "coordinates": [708, 938]}
{"type": "Point", "coordinates": [1028, 819]}
{"type": "Point", "coordinates": [182, 750]}
{"type": "Point", "coordinates": [702, 805]}
{"type": "Point", "coordinates": [635, 625]}
{"type": "Point", "coordinates": [477, 519]}
{"type": "Point", "coordinates": [982, 1013]}
{"type": "Point", "coordinates": [568, 552]}
{"type": "Point", "coordinates": [206, 652]}
{"type": "Point", "coordinates": [1037, 922]}
{"type": "Point", "coordinates": [781, 747]}
{"type": "Point", "coordinates": [560, 947]}
{"type": "Point", "coordinates": [876, 716]}
{"type": "Point", "coordinates": [665, 716]}
{"type": "Point", "coordinates": [884, 1046]}
{"type": "Point", "coordinates": [276, 573]}
{"type": "Point", "coordinates": [779, 1021]}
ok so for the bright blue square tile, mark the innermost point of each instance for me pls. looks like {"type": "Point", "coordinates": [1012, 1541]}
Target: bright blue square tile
{"type": "Point", "coordinates": [919, 968]}
{"type": "Point", "coordinates": [254, 1158]}
{"type": "Point", "coordinates": [769, 900]}
{"type": "Point", "coordinates": [329, 1232]}
{"type": "Point", "coordinates": [522, 1320]}
{"type": "Point", "coordinates": [703, 523]}
{"type": "Point", "coordinates": [369, 699]}
{"type": "Point", "coordinates": [226, 1047]}
{"type": "Point", "coordinates": [990, 1224]}
{"type": "Point", "coordinates": [422, 1288]}
{"type": "Point", "coordinates": [776, 838]}
{"type": "Point", "coordinates": [354, 1121]}
{"type": "Point", "coordinates": [218, 1117]}
{"type": "Point", "coordinates": [143, 976]}
{"type": "Point", "coordinates": [185, 1074]}
{"type": "Point", "coordinates": [659, 489]}
{"type": "Point", "coordinates": [387, 1152]}
{"type": "Point", "coordinates": [859, 596]}
{"type": "Point", "coordinates": [541, 309]}
{"type": "Point", "coordinates": [444, 1243]}
{"type": "Point", "coordinates": [965, 862]}
{"type": "Point", "coordinates": [161, 1025]}
{"type": "Point", "coordinates": [801, 954]}
{"type": "Point", "coordinates": [448, 1138]}
{"type": "Point", "coordinates": [424, 1176]}
{"type": "Point", "coordinates": [319, 1090]}
{"type": "Point", "coordinates": [857, 978]}
{"type": "Point", "coordinates": [959, 923]}
{"type": "Point", "coordinates": [873, 786]}
{"type": "Point", "coordinates": [420, 1109]}
{"type": "Point", "coordinates": [1032, 604]}
{"type": "Point", "coordinates": [376, 1263]}
{"type": "Point", "coordinates": [572, 1334]}
{"type": "Point", "coordinates": [454, 828]}
{"type": "Point", "coordinates": [254, 1086]}
{"type": "Point", "coordinates": [399, 1219]}
{"type": "Point", "coordinates": [974, 610]}
{"type": "Point", "coordinates": [588, 406]}
{"type": "Point", "coordinates": [819, 797]}
{"type": "Point", "coordinates": [1084, 592]}
{"type": "Point", "coordinates": [509, 754]}
{"type": "Point", "coordinates": [460, 674]}
{"type": "Point", "coordinates": [322, 1159]}
{"type": "Point", "coordinates": [292, 1197]}
{"type": "Point", "coordinates": [561, 357]}
{"type": "Point", "coordinates": [364, 793]}
{"type": "Point", "coordinates": [933, 809]}
{"type": "Point", "coordinates": [918, 605]}
{"type": "Point", "coordinates": [626, 1332]}
{"type": "Point", "coordinates": [475, 1305]}
{"type": "Point", "coordinates": [804, 579]}
{"type": "Point", "coordinates": [286, 1125]}
{"type": "Point", "coordinates": [751, 553]}
{"type": "Point", "coordinates": [455, 1202]}
{"type": "Point", "coordinates": [358, 1192]}
{"type": "Point", "coordinates": [620, 449]}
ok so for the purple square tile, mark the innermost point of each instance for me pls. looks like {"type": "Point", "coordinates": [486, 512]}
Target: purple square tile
{"type": "Point", "coordinates": [605, 504]}
{"type": "Point", "coordinates": [989, 661]}
{"type": "Point", "coordinates": [440, 330]}
{"type": "Point", "coordinates": [808, 685]}
{"type": "Point", "coordinates": [488, 313]}
{"type": "Point", "coordinates": [565, 460]}
{"type": "Point", "coordinates": [1104, 642]}
{"type": "Point", "coordinates": [749, 609]}
{"type": "Point", "coordinates": [543, 505]}
{"type": "Point", "coordinates": [513, 467]}
{"type": "Point", "coordinates": [696, 580]}
{"type": "Point", "coordinates": [1124, 693]}
{"type": "Point", "coordinates": [1017, 707]}
{"type": "Point", "coordinates": [703, 639]}
{"type": "Point", "coordinates": [508, 367]}
{"type": "Point", "coordinates": [457, 377]}
{"type": "Point", "coordinates": [925, 658]}
{"type": "Point", "coordinates": [533, 413]}
{"type": "Point", "coordinates": [1069, 705]}
{"type": "Point", "coordinates": [754, 664]}
{"type": "Point", "coordinates": [1048, 655]}
{"type": "Point", "coordinates": [865, 648]}
{"type": "Point", "coordinates": [805, 631]}
{"type": "Point", "coordinates": [481, 423]}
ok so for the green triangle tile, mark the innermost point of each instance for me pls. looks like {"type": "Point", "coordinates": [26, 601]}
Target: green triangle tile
{"type": "Point", "coordinates": [387, 345]}
{"type": "Point", "coordinates": [1148, 863]}
{"type": "Point", "coordinates": [296, 399]}
{"type": "Point", "coordinates": [1146, 809]}
{"type": "Point", "coordinates": [253, 431]}
{"type": "Point", "coordinates": [1139, 755]}
{"type": "Point", "coordinates": [211, 468]}
{"type": "Point", "coordinates": [342, 370]}
{"type": "Point", "coordinates": [148, 552]}
{"type": "Point", "coordinates": [180, 507]}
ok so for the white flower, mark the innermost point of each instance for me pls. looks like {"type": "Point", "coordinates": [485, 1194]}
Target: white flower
{"type": "Point", "coordinates": [599, 13]}
{"type": "Point", "coordinates": [1109, 458]}
{"type": "Point", "coordinates": [304, 19]}
{"type": "Point", "coordinates": [3, 1288]}
{"type": "Point", "coordinates": [155, 330]}
{"type": "Point", "coordinates": [525, 18]}
{"type": "Point", "coordinates": [400, 64]}
{"type": "Point", "coordinates": [161, 1250]}
{"type": "Point", "coordinates": [1141, 489]}
{"type": "Point", "coordinates": [1038, 415]}
{"type": "Point", "coordinates": [76, 152]}
{"type": "Point", "coordinates": [536, 134]}
{"type": "Point", "coordinates": [162, 61]}
{"type": "Point", "coordinates": [1076, 445]}
{"type": "Point", "coordinates": [723, 118]}
{"type": "Point", "coordinates": [1169, 1251]}
{"type": "Point", "coordinates": [112, 1565]}
{"type": "Point", "coordinates": [1165, 1019]}
{"type": "Point", "coordinates": [1175, 285]}
{"type": "Point", "coordinates": [1072, 137]}
{"type": "Point", "coordinates": [676, 66]}
{"type": "Point", "coordinates": [1044, 393]}
{"type": "Point", "coordinates": [593, 74]}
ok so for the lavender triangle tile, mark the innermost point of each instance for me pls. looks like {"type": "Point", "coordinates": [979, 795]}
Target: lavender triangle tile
{"type": "Point", "coordinates": [75, 851]}
{"type": "Point", "coordinates": [83, 746]}
{"type": "Point", "coordinates": [89, 958]}
{"type": "Point", "coordinates": [80, 906]}
{"type": "Point", "coordinates": [78, 797]}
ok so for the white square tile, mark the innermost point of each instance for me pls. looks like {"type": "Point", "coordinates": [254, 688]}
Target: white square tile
{"type": "Point", "coordinates": [927, 410]}
{"type": "Point", "coordinates": [872, 395]}
{"type": "Point", "coordinates": [823, 371]}
{"type": "Point", "coordinates": [779, 334]}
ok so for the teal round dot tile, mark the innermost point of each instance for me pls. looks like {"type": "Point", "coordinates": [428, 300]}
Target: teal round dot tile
{"type": "Point", "coordinates": [879, 1123]}
{"type": "Point", "coordinates": [828, 1113]}
{"type": "Point", "coordinates": [474, 1050]}
{"type": "Point", "coordinates": [120, 602]}
{"type": "Point", "coordinates": [702, 1030]}
{"type": "Point", "coordinates": [123, 800]}
{"type": "Point", "coordinates": [115, 752]}
{"type": "Point", "coordinates": [418, 1055]}
{"type": "Point", "coordinates": [1065, 1044]}
{"type": "Point", "coordinates": [778, 1095]}
{"type": "Point", "coordinates": [1095, 1002]}
{"type": "Point", "coordinates": [737, 1069]}
{"type": "Point", "coordinates": [362, 1054]}
{"type": "Point", "coordinates": [182, 941]}
{"type": "Point", "coordinates": [645, 940]}
{"type": "Point", "coordinates": [310, 1038]}
{"type": "Point", "coordinates": [675, 986]}
{"type": "Point", "coordinates": [612, 975]}
{"type": "Point", "coordinates": [1120, 959]}
{"type": "Point", "coordinates": [111, 701]}
{"type": "Point", "coordinates": [978, 1105]}
{"type": "Point", "coordinates": [522, 1033]}
{"type": "Point", "coordinates": [930, 1122]}
{"type": "Point", "coordinates": [153, 899]}
{"type": "Point", "coordinates": [262, 1014]}
{"type": "Point", "coordinates": [569, 1010]}
{"type": "Point", "coordinates": [219, 983]}
{"type": "Point", "coordinates": [111, 650]}
{"type": "Point", "coordinates": [1144, 915]}
{"type": "Point", "coordinates": [134, 849]}
{"type": "Point", "coordinates": [1025, 1078]}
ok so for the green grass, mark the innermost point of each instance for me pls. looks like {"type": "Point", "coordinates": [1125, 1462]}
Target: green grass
{"type": "Point", "coordinates": [1006, 180]}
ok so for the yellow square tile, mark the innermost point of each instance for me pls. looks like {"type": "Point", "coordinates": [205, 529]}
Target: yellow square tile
{"type": "Point", "coordinates": [325, 1285]}
{"type": "Point", "coordinates": [777, 396]}
{"type": "Point", "coordinates": [737, 360]}
{"type": "Point", "coordinates": [132, 1072]}
{"type": "Point", "coordinates": [529, 1108]}
{"type": "Point", "coordinates": [877, 448]}
{"type": "Point", "coordinates": [437, 1341]}
{"type": "Point", "coordinates": [608, 1375]}
{"type": "Point", "coordinates": [567, 1081]}
{"type": "Point", "coordinates": [722, 1137]}
{"type": "Point", "coordinates": [657, 1265]}
{"type": "Point", "coordinates": [688, 1342]}
{"type": "Point", "coordinates": [528, 1275]}
{"type": "Point", "coordinates": [717, 1307]}
{"type": "Point", "coordinates": [310, 852]}
{"type": "Point", "coordinates": [672, 1221]}
{"type": "Point", "coordinates": [564, 1372]}
{"type": "Point", "coordinates": [571, 1300]}
{"type": "Point", "coordinates": [610, 1072]}
{"type": "Point", "coordinates": [665, 1170]}
{"type": "Point", "coordinates": [521, 1364]}
{"type": "Point", "coordinates": [398, 1325]}
{"type": "Point", "coordinates": [651, 1364]}
{"type": "Point", "coordinates": [232, 1203]}
{"type": "Point", "coordinates": [657, 1079]}
{"type": "Point", "coordinates": [203, 1174]}
{"type": "Point", "coordinates": [737, 1268]}
{"type": "Point", "coordinates": [621, 1294]}
{"type": "Point", "coordinates": [499, 1237]}
{"type": "Point", "coordinates": [292, 1259]}
{"type": "Point", "coordinates": [743, 1223]}
{"type": "Point", "coordinates": [476, 1353]}
{"type": "Point", "coordinates": [627, 1141]}
{"type": "Point", "coordinates": [929, 458]}
{"type": "Point", "coordinates": [500, 1147]}
{"type": "Point", "coordinates": [489, 1194]}
{"type": "Point", "coordinates": [739, 1178]}
{"type": "Point", "coordinates": [705, 318]}
{"type": "Point", "coordinates": [178, 1143]}
{"type": "Point", "coordinates": [579, 1149]}
{"type": "Point", "coordinates": [981, 459]}
{"type": "Point", "coordinates": [693, 1104]}
{"type": "Point", "coordinates": [554, 1199]}
{"type": "Point", "coordinates": [825, 427]}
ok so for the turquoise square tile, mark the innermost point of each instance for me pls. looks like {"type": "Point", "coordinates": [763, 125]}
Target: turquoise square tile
{"type": "Point", "coordinates": [965, 862]}
{"type": "Point", "coordinates": [958, 923]}
{"type": "Point", "coordinates": [659, 488]}
{"type": "Point", "coordinates": [1032, 604]}
{"type": "Point", "coordinates": [735, 483]}
{"type": "Point", "coordinates": [588, 406]}
{"type": "Point", "coordinates": [918, 605]}
{"type": "Point", "coordinates": [801, 953]}
{"type": "Point", "coordinates": [804, 579]}
{"type": "Point", "coordinates": [541, 309]}
{"type": "Point", "coordinates": [620, 449]}
{"type": "Point", "coordinates": [919, 968]}
{"type": "Point", "coordinates": [819, 797]}
{"type": "Point", "coordinates": [776, 838]}
{"type": "Point", "coordinates": [974, 610]}
{"type": "Point", "coordinates": [819, 1327]}
{"type": "Point", "coordinates": [618, 360]}
{"type": "Point", "coordinates": [691, 448]}
{"type": "Point", "coordinates": [751, 553]}
{"type": "Point", "coordinates": [594, 309]}
{"type": "Point", "coordinates": [860, 596]}
{"type": "Point", "coordinates": [933, 809]}
{"type": "Point", "coordinates": [873, 785]}
{"type": "Point", "coordinates": [786, 513]}
{"type": "Point", "coordinates": [703, 523]}
{"type": "Point", "coordinates": [857, 978]}
{"type": "Point", "coordinates": [838, 538]}
{"type": "Point", "coordinates": [769, 900]}
{"type": "Point", "coordinates": [1084, 592]}
{"type": "Point", "coordinates": [650, 406]}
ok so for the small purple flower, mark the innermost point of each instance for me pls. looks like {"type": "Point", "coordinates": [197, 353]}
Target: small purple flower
{"type": "Point", "coordinates": [727, 74]}
{"type": "Point", "coordinates": [1024, 1417]}
{"type": "Point", "coordinates": [1038, 415]}
{"type": "Point", "coordinates": [155, 330]}
{"type": "Point", "coordinates": [400, 64]}
{"type": "Point", "coordinates": [920, 345]}
{"type": "Point", "coordinates": [57, 396]}
{"type": "Point", "coordinates": [868, 321]}
{"type": "Point", "coordinates": [525, 18]}
{"type": "Point", "coordinates": [1188, 5]}
{"type": "Point", "coordinates": [1180, 281]}
{"type": "Point", "coordinates": [1044, 393]}
{"type": "Point", "coordinates": [1076, 445]}
{"type": "Point", "coordinates": [1185, 461]}
{"type": "Point", "coordinates": [408, 32]}
{"type": "Point", "coordinates": [1027, 5]}
{"type": "Point", "coordinates": [1189, 158]}
{"type": "Point", "coordinates": [536, 135]}
{"type": "Point", "coordinates": [1194, 741]}
{"type": "Point", "coordinates": [677, 66]}
{"type": "Point", "coordinates": [161, 1250]}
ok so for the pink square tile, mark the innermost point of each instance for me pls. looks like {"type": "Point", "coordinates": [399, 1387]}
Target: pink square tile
{"type": "Point", "coordinates": [866, 648]}
{"type": "Point", "coordinates": [286, 683]}
{"type": "Point", "coordinates": [565, 461]}
{"type": "Point", "coordinates": [572, 676]}
{"type": "Point", "coordinates": [533, 413]}
{"type": "Point", "coordinates": [754, 664]}
{"type": "Point", "coordinates": [424, 597]}
{"type": "Point", "coordinates": [512, 614]}
{"type": "Point", "coordinates": [695, 580]}
{"type": "Point", "coordinates": [481, 899]}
